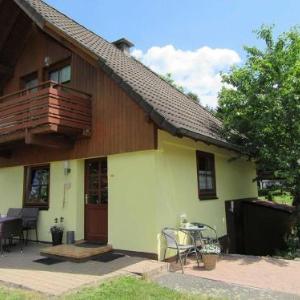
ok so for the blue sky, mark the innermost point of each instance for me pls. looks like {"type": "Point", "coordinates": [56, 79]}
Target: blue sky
{"type": "Point", "coordinates": [186, 25]}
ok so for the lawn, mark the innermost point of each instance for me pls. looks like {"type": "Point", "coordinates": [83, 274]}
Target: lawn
{"type": "Point", "coordinates": [123, 288]}
{"type": "Point", "coordinates": [126, 288]}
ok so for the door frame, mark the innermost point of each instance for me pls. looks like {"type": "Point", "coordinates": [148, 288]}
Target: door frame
{"type": "Point", "coordinates": [86, 161]}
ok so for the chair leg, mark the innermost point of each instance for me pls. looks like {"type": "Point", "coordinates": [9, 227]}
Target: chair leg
{"type": "Point", "coordinates": [187, 254]}
{"type": "Point", "coordinates": [26, 241]}
{"type": "Point", "coordinates": [181, 262]}
{"type": "Point", "coordinates": [197, 257]}
{"type": "Point", "coordinates": [21, 239]}
{"type": "Point", "coordinates": [165, 252]}
{"type": "Point", "coordinates": [36, 235]}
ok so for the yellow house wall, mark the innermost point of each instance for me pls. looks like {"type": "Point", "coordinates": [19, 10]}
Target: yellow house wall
{"type": "Point", "coordinates": [149, 190]}
{"type": "Point", "coordinates": [69, 206]}
{"type": "Point", "coordinates": [178, 188]}
{"type": "Point", "coordinates": [132, 206]}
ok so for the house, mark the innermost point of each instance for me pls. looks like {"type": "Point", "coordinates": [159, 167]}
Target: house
{"type": "Point", "coordinates": [90, 134]}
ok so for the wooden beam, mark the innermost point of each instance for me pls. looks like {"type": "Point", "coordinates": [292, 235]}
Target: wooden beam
{"type": "Point", "coordinates": [5, 153]}
{"type": "Point", "coordinates": [70, 43]}
{"type": "Point", "coordinates": [31, 12]}
{"type": "Point", "coordinates": [48, 141]}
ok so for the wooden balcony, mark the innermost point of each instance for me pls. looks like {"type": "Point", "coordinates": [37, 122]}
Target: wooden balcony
{"type": "Point", "coordinates": [49, 115]}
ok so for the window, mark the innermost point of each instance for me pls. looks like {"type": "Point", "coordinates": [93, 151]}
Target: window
{"type": "Point", "coordinates": [61, 75]}
{"type": "Point", "coordinates": [206, 175]}
{"type": "Point", "coordinates": [30, 82]}
{"type": "Point", "coordinates": [36, 192]}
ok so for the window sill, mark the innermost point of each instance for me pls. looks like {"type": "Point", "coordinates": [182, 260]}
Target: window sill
{"type": "Point", "coordinates": [36, 206]}
{"type": "Point", "coordinates": [208, 197]}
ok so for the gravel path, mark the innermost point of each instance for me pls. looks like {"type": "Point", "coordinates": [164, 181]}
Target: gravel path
{"type": "Point", "coordinates": [219, 289]}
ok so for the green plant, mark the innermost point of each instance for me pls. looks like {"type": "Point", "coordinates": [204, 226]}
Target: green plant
{"type": "Point", "coordinates": [211, 248]}
{"type": "Point", "coordinates": [57, 227]}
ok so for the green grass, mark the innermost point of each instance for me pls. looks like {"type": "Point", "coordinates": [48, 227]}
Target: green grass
{"type": "Point", "coordinates": [129, 288]}
{"type": "Point", "coordinates": [123, 288]}
{"type": "Point", "coordinates": [18, 294]}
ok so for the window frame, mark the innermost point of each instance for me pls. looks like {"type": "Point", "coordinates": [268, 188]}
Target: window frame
{"type": "Point", "coordinates": [27, 78]}
{"type": "Point", "coordinates": [206, 194]}
{"type": "Point", "coordinates": [57, 67]}
{"type": "Point", "coordinates": [27, 180]}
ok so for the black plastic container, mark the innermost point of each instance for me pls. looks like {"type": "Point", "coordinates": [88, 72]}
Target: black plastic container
{"type": "Point", "coordinates": [57, 236]}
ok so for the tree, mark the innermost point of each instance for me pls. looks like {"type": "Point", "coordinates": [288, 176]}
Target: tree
{"type": "Point", "coordinates": [260, 105]}
{"type": "Point", "coordinates": [169, 78]}
{"type": "Point", "coordinates": [193, 96]}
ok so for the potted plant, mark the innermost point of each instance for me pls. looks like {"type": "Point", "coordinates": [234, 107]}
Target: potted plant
{"type": "Point", "coordinates": [210, 253]}
{"type": "Point", "coordinates": [57, 231]}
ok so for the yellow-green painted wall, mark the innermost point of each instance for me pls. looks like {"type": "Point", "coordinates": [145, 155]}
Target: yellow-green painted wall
{"type": "Point", "coordinates": [66, 196]}
{"type": "Point", "coordinates": [149, 190]}
{"type": "Point", "coordinates": [132, 196]}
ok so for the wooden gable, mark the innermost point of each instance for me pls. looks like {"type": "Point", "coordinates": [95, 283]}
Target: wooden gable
{"type": "Point", "coordinates": [118, 123]}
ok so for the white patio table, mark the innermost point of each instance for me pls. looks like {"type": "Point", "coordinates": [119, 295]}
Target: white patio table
{"type": "Point", "coordinates": [196, 232]}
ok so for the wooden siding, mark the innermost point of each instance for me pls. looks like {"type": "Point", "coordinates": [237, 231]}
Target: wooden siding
{"type": "Point", "coordinates": [118, 123]}
{"type": "Point", "coordinates": [53, 105]}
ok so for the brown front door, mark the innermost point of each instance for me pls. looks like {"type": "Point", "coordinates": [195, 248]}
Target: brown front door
{"type": "Point", "coordinates": [96, 198]}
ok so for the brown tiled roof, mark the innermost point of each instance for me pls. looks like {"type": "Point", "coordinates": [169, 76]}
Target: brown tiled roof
{"type": "Point", "coordinates": [170, 109]}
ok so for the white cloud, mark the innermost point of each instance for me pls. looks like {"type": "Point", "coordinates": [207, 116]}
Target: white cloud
{"type": "Point", "coordinates": [197, 71]}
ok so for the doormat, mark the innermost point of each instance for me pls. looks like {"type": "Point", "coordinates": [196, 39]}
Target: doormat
{"type": "Point", "coordinates": [48, 261]}
{"type": "Point", "coordinates": [91, 244]}
{"type": "Point", "coordinates": [107, 257]}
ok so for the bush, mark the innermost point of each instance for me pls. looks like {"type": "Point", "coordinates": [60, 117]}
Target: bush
{"type": "Point", "coordinates": [263, 192]}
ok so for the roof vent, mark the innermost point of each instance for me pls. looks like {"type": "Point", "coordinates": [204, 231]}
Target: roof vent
{"type": "Point", "coordinates": [124, 45]}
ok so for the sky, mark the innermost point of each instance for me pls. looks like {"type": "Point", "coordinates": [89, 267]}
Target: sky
{"type": "Point", "coordinates": [194, 40]}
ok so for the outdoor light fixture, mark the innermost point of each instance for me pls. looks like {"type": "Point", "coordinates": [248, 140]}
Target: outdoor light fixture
{"type": "Point", "coordinates": [67, 169]}
{"type": "Point", "coordinates": [47, 61]}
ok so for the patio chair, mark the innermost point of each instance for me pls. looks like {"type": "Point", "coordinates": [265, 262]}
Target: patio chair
{"type": "Point", "coordinates": [14, 212]}
{"type": "Point", "coordinates": [171, 236]}
{"type": "Point", "coordinates": [30, 220]}
{"type": "Point", "coordinates": [9, 229]}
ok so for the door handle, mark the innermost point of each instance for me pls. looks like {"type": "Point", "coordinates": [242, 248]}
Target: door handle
{"type": "Point", "coordinates": [86, 198]}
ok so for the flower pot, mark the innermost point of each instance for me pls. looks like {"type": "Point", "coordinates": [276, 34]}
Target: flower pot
{"type": "Point", "coordinates": [57, 237]}
{"type": "Point", "coordinates": [210, 261]}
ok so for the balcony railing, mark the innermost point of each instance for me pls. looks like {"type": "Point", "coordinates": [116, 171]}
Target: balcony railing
{"type": "Point", "coordinates": [46, 108]}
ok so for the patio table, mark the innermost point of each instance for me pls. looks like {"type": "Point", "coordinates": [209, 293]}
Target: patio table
{"type": "Point", "coordinates": [195, 232]}
{"type": "Point", "coordinates": [4, 219]}
{"type": "Point", "coordinates": [10, 227]}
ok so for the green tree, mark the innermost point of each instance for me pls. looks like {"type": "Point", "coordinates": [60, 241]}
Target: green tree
{"type": "Point", "coordinates": [193, 96]}
{"type": "Point", "coordinates": [260, 105]}
{"type": "Point", "coordinates": [169, 78]}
